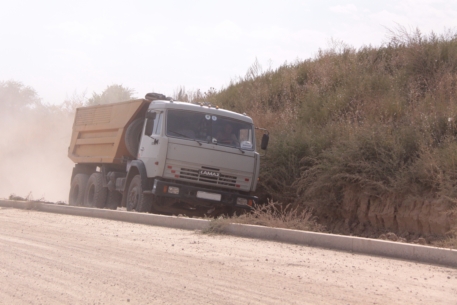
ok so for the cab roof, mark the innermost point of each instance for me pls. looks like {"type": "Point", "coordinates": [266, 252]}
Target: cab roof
{"type": "Point", "coordinates": [164, 104]}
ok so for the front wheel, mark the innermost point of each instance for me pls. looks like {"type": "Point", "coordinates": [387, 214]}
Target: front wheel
{"type": "Point", "coordinates": [136, 200]}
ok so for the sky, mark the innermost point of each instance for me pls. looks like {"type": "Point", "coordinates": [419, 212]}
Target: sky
{"type": "Point", "coordinates": [63, 48]}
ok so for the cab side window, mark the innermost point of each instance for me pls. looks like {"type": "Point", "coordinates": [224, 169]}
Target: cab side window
{"type": "Point", "coordinates": [154, 125]}
{"type": "Point", "coordinates": [158, 124]}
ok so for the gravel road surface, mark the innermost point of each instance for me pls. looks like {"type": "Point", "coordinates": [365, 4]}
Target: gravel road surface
{"type": "Point", "coordinates": [59, 259]}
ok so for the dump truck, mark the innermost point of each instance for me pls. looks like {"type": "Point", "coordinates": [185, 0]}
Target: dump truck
{"type": "Point", "coordinates": [163, 156]}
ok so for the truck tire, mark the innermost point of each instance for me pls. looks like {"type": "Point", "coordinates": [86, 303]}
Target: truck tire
{"type": "Point", "coordinates": [77, 189]}
{"type": "Point", "coordinates": [95, 195]}
{"type": "Point", "coordinates": [133, 136]}
{"type": "Point", "coordinates": [136, 200]}
{"type": "Point", "coordinates": [113, 200]}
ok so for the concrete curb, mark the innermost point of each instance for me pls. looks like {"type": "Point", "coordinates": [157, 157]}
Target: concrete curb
{"type": "Point", "coordinates": [411, 252]}
{"type": "Point", "coordinates": [25, 205]}
{"type": "Point", "coordinates": [351, 244]}
{"type": "Point", "coordinates": [141, 218]}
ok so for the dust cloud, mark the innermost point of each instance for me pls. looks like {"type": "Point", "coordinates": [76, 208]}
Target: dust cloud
{"type": "Point", "coordinates": [34, 145]}
{"type": "Point", "coordinates": [34, 139]}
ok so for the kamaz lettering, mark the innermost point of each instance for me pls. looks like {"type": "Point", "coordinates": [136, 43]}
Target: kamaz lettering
{"type": "Point", "coordinates": [208, 173]}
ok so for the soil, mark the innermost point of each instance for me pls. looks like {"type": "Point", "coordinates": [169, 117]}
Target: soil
{"type": "Point", "coordinates": [61, 259]}
{"type": "Point", "coordinates": [408, 217]}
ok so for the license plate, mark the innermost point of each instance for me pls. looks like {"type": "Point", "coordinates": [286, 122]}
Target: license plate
{"type": "Point", "coordinates": [210, 196]}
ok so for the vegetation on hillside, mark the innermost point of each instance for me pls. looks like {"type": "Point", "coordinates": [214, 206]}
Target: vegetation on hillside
{"type": "Point", "coordinates": [380, 120]}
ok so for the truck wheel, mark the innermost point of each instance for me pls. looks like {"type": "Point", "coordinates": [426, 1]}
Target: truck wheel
{"type": "Point", "coordinates": [133, 136]}
{"type": "Point", "coordinates": [77, 189]}
{"type": "Point", "coordinates": [136, 200]}
{"type": "Point", "coordinates": [95, 195]}
{"type": "Point", "coordinates": [113, 200]}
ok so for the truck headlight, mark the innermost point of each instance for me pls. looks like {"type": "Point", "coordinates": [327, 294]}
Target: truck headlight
{"type": "Point", "coordinates": [241, 201]}
{"type": "Point", "coordinates": [173, 190]}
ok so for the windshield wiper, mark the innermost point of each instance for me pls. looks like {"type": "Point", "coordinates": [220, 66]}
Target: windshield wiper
{"type": "Point", "coordinates": [187, 137]}
{"type": "Point", "coordinates": [239, 148]}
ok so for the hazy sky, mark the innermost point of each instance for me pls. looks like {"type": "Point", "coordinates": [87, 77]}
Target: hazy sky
{"type": "Point", "coordinates": [62, 47]}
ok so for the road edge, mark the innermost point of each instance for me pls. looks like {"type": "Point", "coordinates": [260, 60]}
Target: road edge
{"type": "Point", "coordinates": [410, 252]}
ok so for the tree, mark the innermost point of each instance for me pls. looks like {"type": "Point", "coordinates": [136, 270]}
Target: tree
{"type": "Point", "coordinates": [14, 96]}
{"type": "Point", "coordinates": [112, 94]}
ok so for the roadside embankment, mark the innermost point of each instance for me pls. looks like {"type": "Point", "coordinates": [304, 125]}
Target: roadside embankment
{"type": "Point", "coordinates": [351, 244]}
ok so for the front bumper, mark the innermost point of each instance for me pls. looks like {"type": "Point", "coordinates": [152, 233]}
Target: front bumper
{"type": "Point", "coordinates": [191, 194]}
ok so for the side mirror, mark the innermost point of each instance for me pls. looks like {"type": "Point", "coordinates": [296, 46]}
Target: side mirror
{"type": "Point", "coordinates": [264, 143]}
{"type": "Point", "coordinates": [151, 115]}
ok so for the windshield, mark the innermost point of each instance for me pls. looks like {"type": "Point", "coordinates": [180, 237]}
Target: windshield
{"type": "Point", "coordinates": [209, 128]}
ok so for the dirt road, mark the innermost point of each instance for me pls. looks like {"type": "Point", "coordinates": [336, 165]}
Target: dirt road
{"type": "Point", "coordinates": [59, 259]}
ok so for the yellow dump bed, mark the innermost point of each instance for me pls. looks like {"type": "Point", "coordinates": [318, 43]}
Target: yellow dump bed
{"type": "Point", "coordinates": [98, 131]}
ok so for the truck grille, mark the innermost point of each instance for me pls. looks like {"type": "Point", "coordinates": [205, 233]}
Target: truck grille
{"type": "Point", "coordinates": [194, 174]}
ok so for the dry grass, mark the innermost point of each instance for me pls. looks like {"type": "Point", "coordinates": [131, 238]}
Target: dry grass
{"type": "Point", "coordinates": [450, 240]}
{"type": "Point", "coordinates": [449, 243]}
{"type": "Point", "coordinates": [272, 214]}
{"type": "Point", "coordinates": [14, 197]}
{"type": "Point", "coordinates": [29, 197]}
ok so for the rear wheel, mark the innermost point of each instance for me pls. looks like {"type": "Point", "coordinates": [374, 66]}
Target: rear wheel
{"type": "Point", "coordinates": [95, 195]}
{"type": "Point", "coordinates": [77, 189]}
{"type": "Point", "coordinates": [136, 200]}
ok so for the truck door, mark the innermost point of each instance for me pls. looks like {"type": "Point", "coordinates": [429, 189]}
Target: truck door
{"type": "Point", "coordinates": [153, 146]}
